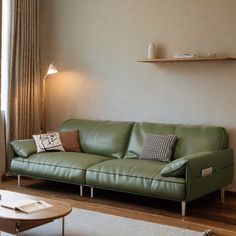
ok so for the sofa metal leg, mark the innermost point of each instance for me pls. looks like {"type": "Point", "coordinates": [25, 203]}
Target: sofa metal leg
{"type": "Point", "coordinates": [222, 194]}
{"type": "Point", "coordinates": [18, 180]}
{"type": "Point", "coordinates": [183, 208]}
{"type": "Point", "coordinates": [81, 190]}
{"type": "Point", "coordinates": [63, 226]}
{"type": "Point", "coordinates": [91, 192]}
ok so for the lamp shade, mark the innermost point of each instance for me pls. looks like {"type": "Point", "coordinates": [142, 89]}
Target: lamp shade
{"type": "Point", "coordinates": [52, 69]}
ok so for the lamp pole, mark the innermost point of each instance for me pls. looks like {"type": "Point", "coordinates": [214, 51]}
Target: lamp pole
{"type": "Point", "coordinates": [51, 70]}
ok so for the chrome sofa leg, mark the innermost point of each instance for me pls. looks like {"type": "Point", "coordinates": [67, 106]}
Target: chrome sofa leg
{"type": "Point", "coordinates": [63, 226]}
{"type": "Point", "coordinates": [91, 192]}
{"type": "Point", "coordinates": [18, 180]}
{"type": "Point", "coordinates": [81, 190]}
{"type": "Point", "coordinates": [183, 208]}
{"type": "Point", "coordinates": [222, 194]}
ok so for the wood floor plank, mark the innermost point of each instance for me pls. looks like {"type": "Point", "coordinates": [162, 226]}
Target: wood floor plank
{"type": "Point", "coordinates": [205, 213]}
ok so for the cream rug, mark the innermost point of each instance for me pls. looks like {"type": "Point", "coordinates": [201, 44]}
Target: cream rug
{"type": "Point", "coordinates": [82, 222]}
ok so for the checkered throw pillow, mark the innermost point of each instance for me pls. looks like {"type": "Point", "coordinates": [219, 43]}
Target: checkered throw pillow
{"type": "Point", "coordinates": [158, 147]}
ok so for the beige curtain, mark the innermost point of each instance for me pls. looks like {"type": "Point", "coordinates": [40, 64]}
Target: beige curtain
{"type": "Point", "coordinates": [23, 109]}
{"type": "Point", "coordinates": [24, 90]}
{"type": "Point", "coordinates": [2, 130]}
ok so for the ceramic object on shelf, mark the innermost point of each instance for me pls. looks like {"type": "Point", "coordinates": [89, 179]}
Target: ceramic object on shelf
{"type": "Point", "coordinates": [185, 55]}
{"type": "Point", "coordinates": [152, 51]}
{"type": "Point", "coordinates": [210, 54]}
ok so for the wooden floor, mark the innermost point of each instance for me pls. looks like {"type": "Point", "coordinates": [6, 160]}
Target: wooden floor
{"type": "Point", "coordinates": [202, 214]}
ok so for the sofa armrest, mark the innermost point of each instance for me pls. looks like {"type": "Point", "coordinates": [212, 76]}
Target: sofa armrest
{"type": "Point", "coordinates": [217, 160]}
{"type": "Point", "coordinates": [177, 168]}
{"type": "Point", "coordinates": [23, 148]}
{"type": "Point", "coordinates": [222, 165]}
{"type": "Point", "coordinates": [191, 166]}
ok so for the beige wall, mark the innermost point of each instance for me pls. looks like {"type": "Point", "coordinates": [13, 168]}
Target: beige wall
{"type": "Point", "coordinates": [96, 45]}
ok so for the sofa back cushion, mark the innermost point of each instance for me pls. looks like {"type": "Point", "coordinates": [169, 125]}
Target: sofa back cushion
{"type": "Point", "coordinates": [190, 138]}
{"type": "Point", "coordinates": [106, 138]}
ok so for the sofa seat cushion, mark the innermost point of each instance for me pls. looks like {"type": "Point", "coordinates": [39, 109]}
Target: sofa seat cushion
{"type": "Point", "coordinates": [60, 166]}
{"type": "Point", "coordinates": [136, 176]}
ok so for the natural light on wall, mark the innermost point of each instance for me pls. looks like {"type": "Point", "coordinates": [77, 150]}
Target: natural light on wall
{"type": "Point", "coordinates": [5, 52]}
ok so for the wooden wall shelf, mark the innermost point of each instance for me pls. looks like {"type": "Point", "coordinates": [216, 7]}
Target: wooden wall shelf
{"type": "Point", "coordinates": [161, 60]}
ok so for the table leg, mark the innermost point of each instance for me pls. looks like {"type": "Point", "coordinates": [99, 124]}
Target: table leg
{"type": "Point", "coordinates": [17, 229]}
{"type": "Point", "coordinates": [63, 226]}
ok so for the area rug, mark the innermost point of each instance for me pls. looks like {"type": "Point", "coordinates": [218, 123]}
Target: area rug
{"type": "Point", "coordinates": [82, 222]}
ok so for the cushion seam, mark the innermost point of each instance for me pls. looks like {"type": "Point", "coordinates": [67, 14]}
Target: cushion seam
{"type": "Point", "coordinates": [66, 167]}
{"type": "Point", "coordinates": [131, 176]}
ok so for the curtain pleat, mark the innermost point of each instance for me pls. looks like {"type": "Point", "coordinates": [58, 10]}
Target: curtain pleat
{"type": "Point", "coordinates": [24, 97]}
{"type": "Point", "coordinates": [2, 128]}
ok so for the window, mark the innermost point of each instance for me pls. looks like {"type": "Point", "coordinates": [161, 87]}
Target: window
{"type": "Point", "coordinates": [6, 9]}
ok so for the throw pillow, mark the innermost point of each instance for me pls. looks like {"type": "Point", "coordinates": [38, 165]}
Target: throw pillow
{"type": "Point", "coordinates": [70, 140]}
{"type": "Point", "coordinates": [175, 168]}
{"type": "Point", "coordinates": [48, 142]}
{"type": "Point", "coordinates": [24, 148]}
{"type": "Point", "coordinates": [158, 147]}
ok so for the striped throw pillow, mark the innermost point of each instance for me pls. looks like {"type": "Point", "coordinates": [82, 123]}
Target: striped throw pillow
{"type": "Point", "coordinates": [158, 147]}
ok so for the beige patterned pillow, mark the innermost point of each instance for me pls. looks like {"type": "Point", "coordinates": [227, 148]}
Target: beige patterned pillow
{"type": "Point", "coordinates": [48, 142]}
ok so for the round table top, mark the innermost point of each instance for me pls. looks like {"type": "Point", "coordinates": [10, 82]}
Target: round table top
{"type": "Point", "coordinates": [59, 208]}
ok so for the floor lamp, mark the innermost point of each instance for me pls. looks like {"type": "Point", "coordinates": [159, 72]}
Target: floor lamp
{"type": "Point", "coordinates": [51, 70]}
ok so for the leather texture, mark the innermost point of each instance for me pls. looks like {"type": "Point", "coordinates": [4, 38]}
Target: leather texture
{"type": "Point", "coordinates": [60, 166]}
{"type": "Point", "coordinates": [106, 138]}
{"type": "Point", "coordinates": [136, 176]}
{"type": "Point", "coordinates": [223, 165]}
{"type": "Point", "coordinates": [191, 138]}
{"type": "Point", "coordinates": [105, 142]}
{"type": "Point", "coordinates": [24, 148]}
{"type": "Point", "coordinates": [175, 168]}
{"type": "Point", "coordinates": [178, 167]}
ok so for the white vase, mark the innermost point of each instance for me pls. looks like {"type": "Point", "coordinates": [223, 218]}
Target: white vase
{"type": "Point", "coordinates": [152, 54]}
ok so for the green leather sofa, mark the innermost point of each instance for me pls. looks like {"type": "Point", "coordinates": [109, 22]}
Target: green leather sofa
{"type": "Point", "coordinates": [202, 162]}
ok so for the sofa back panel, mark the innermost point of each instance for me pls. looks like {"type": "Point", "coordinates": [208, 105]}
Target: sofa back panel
{"type": "Point", "coordinates": [199, 138]}
{"type": "Point", "coordinates": [106, 138]}
{"type": "Point", "coordinates": [138, 134]}
{"type": "Point", "coordinates": [190, 138]}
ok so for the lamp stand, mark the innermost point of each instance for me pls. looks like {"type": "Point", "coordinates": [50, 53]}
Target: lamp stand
{"type": "Point", "coordinates": [51, 70]}
{"type": "Point", "coordinates": [43, 107]}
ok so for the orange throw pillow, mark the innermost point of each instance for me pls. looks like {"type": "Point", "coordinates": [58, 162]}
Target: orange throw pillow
{"type": "Point", "coordinates": [70, 141]}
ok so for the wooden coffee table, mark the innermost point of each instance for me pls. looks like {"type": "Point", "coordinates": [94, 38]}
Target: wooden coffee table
{"type": "Point", "coordinates": [15, 222]}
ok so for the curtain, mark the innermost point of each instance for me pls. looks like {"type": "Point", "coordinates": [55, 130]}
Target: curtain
{"type": "Point", "coordinates": [24, 89]}
{"type": "Point", "coordinates": [24, 85]}
{"type": "Point", "coordinates": [2, 130]}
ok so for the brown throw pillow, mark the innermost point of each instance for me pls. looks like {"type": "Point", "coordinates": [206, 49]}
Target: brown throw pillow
{"type": "Point", "coordinates": [70, 141]}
